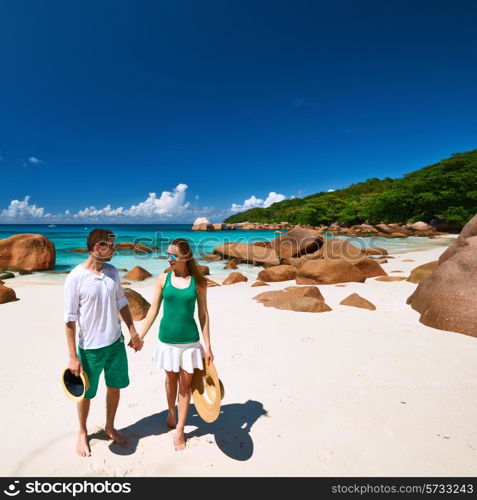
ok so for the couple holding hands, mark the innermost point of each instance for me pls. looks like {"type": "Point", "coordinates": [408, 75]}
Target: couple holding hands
{"type": "Point", "coordinates": [94, 299]}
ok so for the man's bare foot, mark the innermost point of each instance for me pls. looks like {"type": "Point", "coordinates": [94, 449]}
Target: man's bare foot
{"type": "Point", "coordinates": [82, 445]}
{"type": "Point", "coordinates": [171, 421]}
{"type": "Point", "coordinates": [117, 437]}
{"type": "Point", "coordinates": [179, 441]}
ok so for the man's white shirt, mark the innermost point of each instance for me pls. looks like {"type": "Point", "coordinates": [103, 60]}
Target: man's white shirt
{"type": "Point", "coordinates": [94, 301]}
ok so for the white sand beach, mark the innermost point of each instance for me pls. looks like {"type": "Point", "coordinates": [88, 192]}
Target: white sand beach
{"type": "Point", "coordinates": [350, 392]}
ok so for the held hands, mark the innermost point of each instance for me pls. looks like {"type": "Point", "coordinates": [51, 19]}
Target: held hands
{"type": "Point", "coordinates": [136, 342]}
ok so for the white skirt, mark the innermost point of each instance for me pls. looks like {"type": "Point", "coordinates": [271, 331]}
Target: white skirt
{"type": "Point", "coordinates": [171, 357]}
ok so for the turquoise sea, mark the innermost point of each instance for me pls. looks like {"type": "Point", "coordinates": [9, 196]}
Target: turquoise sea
{"type": "Point", "coordinates": [67, 237]}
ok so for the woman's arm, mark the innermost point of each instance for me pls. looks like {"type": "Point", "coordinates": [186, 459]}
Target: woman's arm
{"type": "Point", "coordinates": [204, 320]}
{"type": "Point", "coordinates": [155, 306]}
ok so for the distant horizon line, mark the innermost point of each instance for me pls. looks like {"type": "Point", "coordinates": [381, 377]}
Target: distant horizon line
{"type": "Point", "coordinates": [95, 224]}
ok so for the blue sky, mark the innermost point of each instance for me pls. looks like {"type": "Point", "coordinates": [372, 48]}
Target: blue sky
{"type": "Point", "coordinates": [216, 105]}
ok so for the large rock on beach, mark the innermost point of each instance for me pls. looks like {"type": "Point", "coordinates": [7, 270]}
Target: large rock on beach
{"type": "Point", "coordinates": [212, 257]}
{"type": "Point", "coordinates": [277, 273]}
{"type": "Point", "coordinates": [251, 253]}
{"type": "Point", "coordinates": [383, 228]}
{"type": "Point", "coordinates": [468, 231]}
{"type": "Point", "coordinates": [298, 304]}
{"type": "Point", "coordinates": [138, 305]}
{"type": "Point", "coordinates": [446, 298]}
{"type": "Point", "coordinates": [260, 283]}
{"type": "Point", "coordinates": [139, 248]}
{"type": "Point", "coordinates": [294, 298]}
{"type": "Point", "coordinates": [398, 235]}
{"type": "Point", "coordinates": [332, 248]}
{"type": "Point", "coordinates": [29, 252]}
{"type": "Point", "coordinates": [330, 271]}
{"type": "Point", "coordinates": [422, 226]}
{"type": "Point", "coordinates": [7, 294]}
{"type": "Point", "coordinates": [370, 268]}
{"type": "Point", "coordinates": [340, 248]}
{"type": "Point", "coordinates": [296, 291]}
{"type": "Point", "coordinates": [356, 300]}
{"type": "Point", "coordinates": [234, 277]}
{"type": "Point", "coordinates": [297, 241]}
{"type": "Point", "coordinates": [137, 274]}
{"type": "Point", "coordinates": [202, 224]}
{"type": "Point", "coordinates": [423, 271]}
{"type": "Point", "coordinates": [232, 264]}
{"type": "Point", "coordinates": [374, 251]}
{"type": "Point", "coordinates": [124, 245]}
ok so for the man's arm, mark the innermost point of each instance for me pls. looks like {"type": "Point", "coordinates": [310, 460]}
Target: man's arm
{"type": "Point", "coordinates": [74, 363]}
{"type": "Point", "coordinates": [125, 313]}
{"type": "Point", "coordinates": [135, 342]}
{"type": "Point", "coordinates": [71, 303]}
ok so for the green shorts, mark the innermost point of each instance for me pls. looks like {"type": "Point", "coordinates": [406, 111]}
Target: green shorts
{"type": "Point", "coordinates": [112, 359]}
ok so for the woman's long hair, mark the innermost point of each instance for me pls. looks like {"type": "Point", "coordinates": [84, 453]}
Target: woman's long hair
{"type": "Point", "coordinates": [191, 263]}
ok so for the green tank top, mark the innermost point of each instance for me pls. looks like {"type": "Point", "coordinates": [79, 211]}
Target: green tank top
{"type": "Point", "coordinates": [178, 325]}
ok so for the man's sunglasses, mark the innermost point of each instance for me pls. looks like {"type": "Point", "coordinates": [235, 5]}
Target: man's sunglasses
{"type": "Point", "coordinates": [106, 244]}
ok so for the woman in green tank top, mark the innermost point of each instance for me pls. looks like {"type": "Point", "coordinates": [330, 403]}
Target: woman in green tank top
{"type": "Point", "coordinates": [179, 350]}
{"type": "Point", "coordinates": [178, 325]}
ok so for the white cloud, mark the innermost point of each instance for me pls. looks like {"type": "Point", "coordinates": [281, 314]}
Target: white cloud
{"type": "Point", "coordinates": [201, 220]}
{"type": "Point", "coordinates": [107, 211]}
{"type": "Point", "coordinates": [330, 190]}
{"type": "Point", "coordinates": [253, 202]}
{"type": "Point", "coordinates": [273, 198]}
{"type": "Point", "coordinates": [34, 160]}
{"type": "Point", "coordinates": [22, 210]}
{"type": "Point", "coordinates": [168, 205]}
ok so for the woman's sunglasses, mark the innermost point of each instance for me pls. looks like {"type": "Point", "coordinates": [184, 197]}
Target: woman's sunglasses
{"type": "Point", "coordinates": [175, 257]}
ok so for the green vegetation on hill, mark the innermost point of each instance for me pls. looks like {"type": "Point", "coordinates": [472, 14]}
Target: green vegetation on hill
{"type": "Point", "coordinates": [446, 190]}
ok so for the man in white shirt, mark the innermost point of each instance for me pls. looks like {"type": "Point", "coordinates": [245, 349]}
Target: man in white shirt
{"type": "Point", "coordinates": [93, 298]}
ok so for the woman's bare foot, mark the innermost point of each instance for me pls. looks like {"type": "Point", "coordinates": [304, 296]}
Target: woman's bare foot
{"type": "Point", "coordinates": [82, 445]}
{"type": "Point", "coordinates": [171, 420]}
{"type": "Point", "coordinates": [179, 440]}
{"type": "Point", "coordinates": [117, 437]}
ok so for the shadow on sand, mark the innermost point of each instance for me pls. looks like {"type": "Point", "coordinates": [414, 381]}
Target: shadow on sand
{"type": "Point", "coordinates": [231, 430]}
